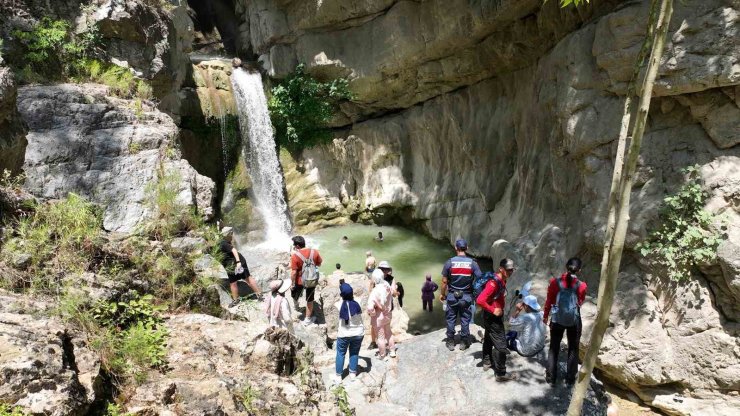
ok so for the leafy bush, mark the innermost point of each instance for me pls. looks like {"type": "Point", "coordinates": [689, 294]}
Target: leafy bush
{"type": "Point", "coordinates": [340, 393]}
{"type": "Point", "coordinates": [301, 107]}
{"type": "Point", "coordinates": [128, 336]}
{"type": "Point", "coordinates": [685, 237]}
{"type": "Point", "coordinates": [62, 236]}
{"type": "Point", "coordinates": [54, 52]}
{"type": "Point", "coordinates": [8, 410]}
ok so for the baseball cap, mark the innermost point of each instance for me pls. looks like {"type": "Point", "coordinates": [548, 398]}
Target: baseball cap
{"type": "Point", "coordinates": [461, 244]}
{"type": "Point", "coordinates": [384, 265]}
{"type": "Point", "coordinates": [531, 301]}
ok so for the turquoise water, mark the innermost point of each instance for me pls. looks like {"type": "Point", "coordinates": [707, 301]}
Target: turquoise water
{"type": "Point", "coordinates": [411, 255]}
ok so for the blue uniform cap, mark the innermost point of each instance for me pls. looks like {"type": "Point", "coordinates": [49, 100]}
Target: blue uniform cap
{"type": "Point", "coordinates": [461, 244]}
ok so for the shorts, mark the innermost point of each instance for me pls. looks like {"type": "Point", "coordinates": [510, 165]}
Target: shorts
{"type": "Point", "coordinates": [298, 290]}
{"type": "Point", "coordinates": [233, 278]}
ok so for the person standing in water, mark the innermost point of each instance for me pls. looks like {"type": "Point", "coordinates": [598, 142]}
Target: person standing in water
{"type": "Point", "coordinates": [379, 237]}
{"type": "Point", "coordinates": [427, 293]}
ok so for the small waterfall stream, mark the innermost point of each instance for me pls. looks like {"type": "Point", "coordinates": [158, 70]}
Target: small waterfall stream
{"type": "Point", "coordinates": [260, 156]}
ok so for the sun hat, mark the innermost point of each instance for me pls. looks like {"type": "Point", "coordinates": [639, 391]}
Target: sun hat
{"type": "Point", "coordinates": [285, 285]}
{"type": "Point", "coordinates": [384, 265]}
{"type": "Point", "coordinates": [531, 301]}
{"type": "Point", "coordinates": [227, 231]}
{"type": "Point", "coordinates": [461, 244]}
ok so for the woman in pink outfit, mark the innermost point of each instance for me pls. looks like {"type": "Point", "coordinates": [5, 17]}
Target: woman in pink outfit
{"type": "Point", "coordinates": [379, 307]}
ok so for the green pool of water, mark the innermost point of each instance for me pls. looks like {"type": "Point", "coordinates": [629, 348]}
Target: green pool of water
{"type": "Point", "coordinates": [411, 255]}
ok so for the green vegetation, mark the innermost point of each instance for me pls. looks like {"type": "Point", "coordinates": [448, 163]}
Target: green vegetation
{"type": "Point", "coordinates": [343, 401]}
{"type": "Point", "coordinates": [61, 238]}
{"type": "Point", "coordinates": [685, 237]}
{"type": "Point", "coordinates": [114, 410]}
{"type": "Point", "coordinates": [128, 335]}
{"type": "Point", "coordinates": [53, 52]}
{"type": "Point", "coordinates": [8, 410]}
{"type": "Point", "coordinates": [246, 398]}
{"type": "Point", "coordinates": [301, 108]}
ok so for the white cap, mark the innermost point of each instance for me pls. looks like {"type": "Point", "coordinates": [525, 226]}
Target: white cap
{"type": "Point", "coordinates": [531, 301]}
{"type": "Point", "coordinates": [227, 231]}
{"type": "Point", "coordinates": [384, 265]}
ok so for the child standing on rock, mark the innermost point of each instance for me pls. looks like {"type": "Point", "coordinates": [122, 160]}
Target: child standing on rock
{"type": "Point", "coordinates": [427, 293]}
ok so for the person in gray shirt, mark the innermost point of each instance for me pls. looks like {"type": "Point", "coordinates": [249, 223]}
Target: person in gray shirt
{"type": "Point", "coordinates": [526, 329]}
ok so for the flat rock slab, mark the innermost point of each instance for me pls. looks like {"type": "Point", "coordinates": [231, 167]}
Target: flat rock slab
{"type": "Point", "coordinates": [428, 379]}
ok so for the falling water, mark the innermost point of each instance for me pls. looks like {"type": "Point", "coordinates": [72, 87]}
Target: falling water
{"type": "Point", "coordinates": [262, 161]}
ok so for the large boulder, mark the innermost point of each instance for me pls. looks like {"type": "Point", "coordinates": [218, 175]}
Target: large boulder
{"type": "Point", "coordinates": [82, 141]}
{"type": "Point", "coordinates": [46, 369]}
{"type": "Point", "coordinates": [229, 367]}
{"type": "Point", "coordinates": [12, 128]}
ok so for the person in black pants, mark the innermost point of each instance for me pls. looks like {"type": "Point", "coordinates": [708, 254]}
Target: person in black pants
{"type": "Point", "coordinates": [493, 300]}
{"type": "Point", "coordinates": [565, 295]}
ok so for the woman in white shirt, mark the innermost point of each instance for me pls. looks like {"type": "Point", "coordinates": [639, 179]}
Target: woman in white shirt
{"type": "Point", "coordinates": [350, 331]}
{"type": "Point", "coordinates": [277, 307]}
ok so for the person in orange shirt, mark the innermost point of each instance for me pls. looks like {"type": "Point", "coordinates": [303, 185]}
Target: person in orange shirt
{"type": "Point", "coordinates": [296, 275]}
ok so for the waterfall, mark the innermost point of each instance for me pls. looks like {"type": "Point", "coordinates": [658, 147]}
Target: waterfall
{"type": "Point", "coordinates": [258, 145]}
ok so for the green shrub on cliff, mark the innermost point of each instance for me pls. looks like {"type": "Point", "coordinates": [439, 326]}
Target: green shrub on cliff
{"type": "Point", "coordinates": [301, 107]}
{"type": "Point", "coordinates": [8, 410]}
{"type": "Point", "coordinates": [59, 237]}
{"type": "Point", "coordinates": [685, 237]}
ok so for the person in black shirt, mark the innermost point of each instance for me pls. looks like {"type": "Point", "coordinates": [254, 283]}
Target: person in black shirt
{"type": "Point", "coordinates": [399, 289]}
{"type": "Point", "coordinates": [236, 266]}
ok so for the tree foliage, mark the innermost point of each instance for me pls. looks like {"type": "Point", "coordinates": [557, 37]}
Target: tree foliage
{"type": "Point", "coordinates": [301, 107]}
{"type": "Point", "coordinates": [684, 239]}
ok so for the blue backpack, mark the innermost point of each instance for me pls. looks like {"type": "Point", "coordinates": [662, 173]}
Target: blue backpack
{"type": "Point", "coordinates": [566, 311]}
{"type": "Point", "coordinates": [480, 284]}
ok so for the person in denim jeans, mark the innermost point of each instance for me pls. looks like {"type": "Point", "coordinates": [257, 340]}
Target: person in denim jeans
{"type": "Point", "coordinates": [349, 332]}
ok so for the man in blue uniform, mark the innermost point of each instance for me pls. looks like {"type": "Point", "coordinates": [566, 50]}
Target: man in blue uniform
{"type": "Point", "coordinates": [458, 275]}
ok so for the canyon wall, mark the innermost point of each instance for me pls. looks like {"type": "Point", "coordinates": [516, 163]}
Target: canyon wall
{"type": "Point", "coordinates": [497, 121]}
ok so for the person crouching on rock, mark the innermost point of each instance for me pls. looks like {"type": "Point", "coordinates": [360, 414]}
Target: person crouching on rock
{"type": "Point", "coordinates": [379, 307]}
{"type": "Point", "coordinates": [427, 293]}
{"type": "Point", "coordinates": [277, 307]}
{"type": "Point", "coordinates": [526, 330]}
{"type": "Point", "coordinates": [349, 332]}
{"type": "Point", "coordinates": [236, 266]}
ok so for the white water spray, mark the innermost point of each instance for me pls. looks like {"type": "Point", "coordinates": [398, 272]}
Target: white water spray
{"type": "Point", "coordinates": [259, 151]}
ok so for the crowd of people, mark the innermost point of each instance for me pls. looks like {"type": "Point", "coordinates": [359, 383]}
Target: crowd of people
{"type": "Point", "coordinates": [464, 288]}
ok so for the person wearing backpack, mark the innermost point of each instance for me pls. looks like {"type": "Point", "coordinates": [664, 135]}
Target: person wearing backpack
{"type": "Point", "coordinates": [492, 300]}
{"type": "Point", "coordinates": [304, 266]}
{"type": "Point", "coordinates": [565, 295]}
{"type": "Point", "coordinates": [458, 275]}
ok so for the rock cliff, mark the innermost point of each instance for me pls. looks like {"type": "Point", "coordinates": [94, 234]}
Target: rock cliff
{"type": "Point", "coordinates": [104, 148]}
{"type": "Point", "coordinates": [12, 129]}
{"type": "Point", "coordinates": [501, 129]}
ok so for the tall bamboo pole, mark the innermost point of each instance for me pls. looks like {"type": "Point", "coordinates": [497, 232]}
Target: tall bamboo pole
{"type": "Point", "coordinates": [610, 269]}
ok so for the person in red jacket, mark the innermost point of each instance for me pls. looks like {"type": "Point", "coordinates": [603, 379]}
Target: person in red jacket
{"type": "Point", "coordinates": [565, 295]}
{"type": "Point", "coordinates": [492, 300]}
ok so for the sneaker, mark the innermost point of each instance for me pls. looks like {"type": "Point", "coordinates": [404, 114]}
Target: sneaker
{"type": "Point", "coordinates": [372, 346]}
{"type": "Point", "coordinates": [234, 303]}
{"type": "Point", "coordinates": [309, 320]}
{"type": "Point", "coordinates": [506, 377]}
{"type": "Point", "coordinates": [393, 354]}
{"type": "Point", "coordinates": [450, 343]}
{"type": "Point", "coordinates": [465, 344]}
{"type": "Point", "coordinates": [549, 380]}
{"type": "Point", "coordinates": [352, 376]}
{"type": "Point", "coordinates": [336, 379]}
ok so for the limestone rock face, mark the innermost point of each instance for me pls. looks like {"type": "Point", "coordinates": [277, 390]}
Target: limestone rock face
{"type": "Point", "coordinates": [519, 160]}
{"type": "Point", "coordinates": [84, 142]}
{"type": "Point", "coordinates": [46, 369]}
{"type": "Point", "coordinates": [12, 129]}
{"type": "Point", "coordinates": [225, 367]}
{"type": "Point", "coordinates": [150, 40]}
